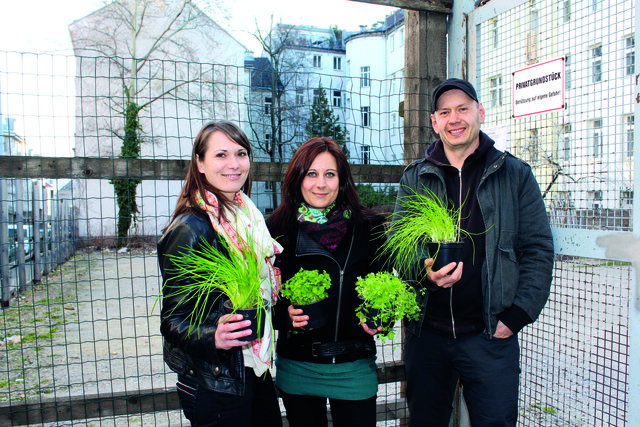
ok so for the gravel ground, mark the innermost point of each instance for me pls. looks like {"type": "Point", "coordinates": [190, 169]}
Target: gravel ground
{"type": "Point", "coordinates": [91, 329]}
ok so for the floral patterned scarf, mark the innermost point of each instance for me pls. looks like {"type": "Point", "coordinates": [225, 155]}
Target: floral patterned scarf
{"type": "Point", "coordinates": [247, 218]}
{"type": "Point", "coordinates": [328, 230]}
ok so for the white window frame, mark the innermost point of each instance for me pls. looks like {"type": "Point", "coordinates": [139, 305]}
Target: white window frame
{"type": "Point", "coordinates": [596, 64]}
{"type": "Point", "coordinates": [365, 76]}
{"type": "Point", "coordinates": [365, 113]}
{"type": "Point", "coordinates": [596, 137]}
{"type": "Point", "coordinates": [337, 99]}
{"type": "Point", "coordinates": [630, 55]}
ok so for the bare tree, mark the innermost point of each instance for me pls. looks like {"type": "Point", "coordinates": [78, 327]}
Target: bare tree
{"type": "Point", "coordinates": [274, 112]}
{"type": "Point", "coordinates": [134, 38]}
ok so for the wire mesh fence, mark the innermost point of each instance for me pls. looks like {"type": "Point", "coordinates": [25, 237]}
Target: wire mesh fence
{"type": "Point", "coordinates": [81, 344]}
{"type": "Point", "coordinates": [575, 358]}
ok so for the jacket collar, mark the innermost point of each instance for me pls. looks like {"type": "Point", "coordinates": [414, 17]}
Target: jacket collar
{"type": "Point", "coordinates": [436, 155]}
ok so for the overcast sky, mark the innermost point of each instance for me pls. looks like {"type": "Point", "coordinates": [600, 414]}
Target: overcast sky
{"type": "Point", "coordinates": [42, 25]}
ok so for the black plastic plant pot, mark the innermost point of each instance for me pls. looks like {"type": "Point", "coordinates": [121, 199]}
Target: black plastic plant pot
{"type": "Point", "coordinates": [258, 318]}
{"type": "Point", "coordinates": [444, 253]}
{"type": "Point", "coordinates": [317, 312]}
{"type": "Point", "coordinates": [374, 323]}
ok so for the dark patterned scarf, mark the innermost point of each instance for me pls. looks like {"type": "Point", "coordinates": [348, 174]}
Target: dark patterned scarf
{"type": "Point", "coordinates": [328, 230]}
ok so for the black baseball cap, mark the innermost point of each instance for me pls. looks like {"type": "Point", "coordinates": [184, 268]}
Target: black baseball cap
{"type": "Point", "coordinates": [449, 84]}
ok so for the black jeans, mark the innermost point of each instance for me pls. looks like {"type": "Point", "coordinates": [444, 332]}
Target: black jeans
{"type": "Point", "coordinates": [311, 411]}
{"type": "Point", "coordinates": [489, 371]}
{"type": "Point", "coordinates": [258, 407]}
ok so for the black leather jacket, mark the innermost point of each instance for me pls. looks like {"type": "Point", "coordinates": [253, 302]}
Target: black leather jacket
{"type": "Point", "coordinates": [195, 355]}
{"type": "Point", "coordinates": [361, 246]}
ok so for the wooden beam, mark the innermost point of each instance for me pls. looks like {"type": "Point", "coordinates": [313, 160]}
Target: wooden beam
{"type": "Point", "coordinates": [425, 68]}
{"type": "Point", "coordinates": [442, 6]}
{"type": "Point", "coordinates": [153, 169]}
{"type": "Point", "coordinates": [124, 403]}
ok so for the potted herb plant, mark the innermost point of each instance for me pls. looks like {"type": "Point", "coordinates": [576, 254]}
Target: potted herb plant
{"type": "Point", "coordinates": [308, 290]}
{"type": "Point", "coordinates": [385, 300]}
{"type": "Point", "coordinates": [425, 226]}
{"type": "Point", "coordinates": [237, 276]}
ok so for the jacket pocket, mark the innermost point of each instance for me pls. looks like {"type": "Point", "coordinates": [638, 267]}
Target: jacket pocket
{"type": "Point", "coordinates": [506, 280]}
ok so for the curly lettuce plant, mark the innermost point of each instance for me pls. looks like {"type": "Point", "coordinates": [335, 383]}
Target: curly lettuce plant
{"type": "Point", "coordinates": [209, 270]}
{"type": "Point", "coordinates": [389, 297]}
{"type": "Point", "coordinates": [306, 287]}
{"type": "Point", "coordinates": [424, 218]}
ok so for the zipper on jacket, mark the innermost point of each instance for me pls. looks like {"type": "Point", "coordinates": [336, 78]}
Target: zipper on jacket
{"type": "Point", "coordinates": [335, 338]}
{"type": "Point", "coordinates": [453, 319]}
{"type": "Point", "coordinates": [346, 262]}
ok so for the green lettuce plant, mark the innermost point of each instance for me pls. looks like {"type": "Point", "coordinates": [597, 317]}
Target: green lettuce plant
{"type": "Point", "coordinates": [424, 218]}
{"type": "Point", "coordinates": [306, 287]}
{"type": "Point", "coordinates": [390, 298]}
{"type": "Point", "coordinates": [238, 276]}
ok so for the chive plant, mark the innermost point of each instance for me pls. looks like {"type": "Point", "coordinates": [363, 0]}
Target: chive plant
{"type": "Point", "coordinates": [209, 270]}
{"type": "Point", "coordinates": [423, 218]}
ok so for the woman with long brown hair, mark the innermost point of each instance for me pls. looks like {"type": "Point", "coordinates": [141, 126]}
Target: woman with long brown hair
{"type": "Point", "coordinates": [322, 226]}
{"type": "Point", "coordinates": [222, 380]}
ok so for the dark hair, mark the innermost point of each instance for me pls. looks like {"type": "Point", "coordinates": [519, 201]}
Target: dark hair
{"type": "Point", "coordinates": [196, 182]}
{"type": "Point", "coordinates": [283, 219]}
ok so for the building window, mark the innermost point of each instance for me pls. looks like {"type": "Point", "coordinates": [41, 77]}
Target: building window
{"type": "Point", "coordinates": [626, 198]}
{"type": "Point", "coordinates": [401, 37]}
{"type": "Point", "coordinates": [337, 63]}
{"type": "Point", "coordinates": [337, 98]}
{"type": "Point", "coordinates": [366, 120]}
{"type": "Point", "coordinates": [392, 43]}
{"type": "Point", "coordinates": [567, 71]}
{"type": "Point", "coordinates": [268, 102]}
{"type": "Point", "coordinates": [565, 139]}
{"type": "Point", "coordinates": [269, 186]}
{"type": "Point", "coordinates": [532, 35]}
{"type": "Point", "coordinates": [316, 94]}
{"type": "Point", "coordinates": [630, 55]}
{"type": "Point", "coordinates": [596, 137]}
{"type": "Point", "coordinates": [267, 143]}
{"type": "Point", "coordinates": [494, 32]}
{"type": "Point", "coordinates": [317, 61]}
{"type": "Point", "coordinates": [596, 65]}
{"type": "Point", "coordinates": [567, 10]}
{"type": "Point", "coordinates": [495, 91]}
{"type": "Point", "coordinates": [629, 134]}
{"type": "Point", "coordinates": [365, 76]}
{"type": "Point", "coordinates": [366, 153]}
{"type": "Point", "coordinates": [534, 144]}
{"type": "Point", "coordinates": [299, 96]}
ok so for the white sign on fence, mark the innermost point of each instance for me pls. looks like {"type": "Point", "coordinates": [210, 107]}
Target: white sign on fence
{"type": "Point", "coordinates": [539, 88]}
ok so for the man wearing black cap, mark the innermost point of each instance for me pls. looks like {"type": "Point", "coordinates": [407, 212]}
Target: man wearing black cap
{"type": "Point", "coordinates": [473, 310]}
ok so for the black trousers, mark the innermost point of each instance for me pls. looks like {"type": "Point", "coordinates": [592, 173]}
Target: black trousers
{"type": "Point", "coordinates": [311, 411]}
{"type": "Point", "coordinates": [257, 408]}
{"type": "Point", "coordinates": [489, 371]}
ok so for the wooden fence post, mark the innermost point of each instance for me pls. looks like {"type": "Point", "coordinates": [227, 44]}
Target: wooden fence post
{"type": "Point", "coordinates": [37, 225]}
{"type": "Point", "coordinates": [4, 244]}
{"type": "Point", "coordinates": [19, 195]}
